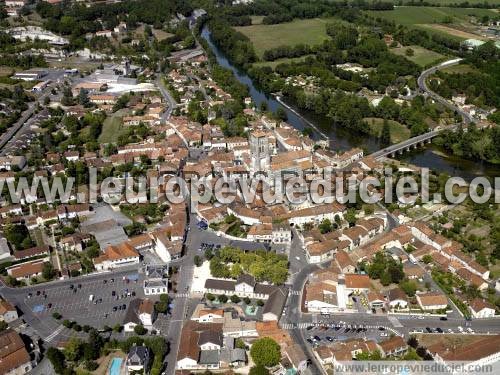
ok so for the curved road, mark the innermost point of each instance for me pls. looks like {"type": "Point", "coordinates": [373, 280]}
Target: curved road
{"type": "Point", "coordinates": [422, 84]}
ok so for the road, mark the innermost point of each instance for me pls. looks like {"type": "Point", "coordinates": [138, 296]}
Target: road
{"type": "Point", "coordinates": [24, 122]}
{"type": "Point", "coordinates": [422, 84]}
{"type": "Point", "coordinates": [170, 100]}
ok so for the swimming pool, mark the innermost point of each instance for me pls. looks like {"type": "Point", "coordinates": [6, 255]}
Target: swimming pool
{"type": "Point", "coordinates": [114, 369]}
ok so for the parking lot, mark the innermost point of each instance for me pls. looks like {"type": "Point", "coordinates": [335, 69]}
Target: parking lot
{"type": "Point", "coordinates": [93, 302]}
{"type": "Point", "coordinates": [326, 334]}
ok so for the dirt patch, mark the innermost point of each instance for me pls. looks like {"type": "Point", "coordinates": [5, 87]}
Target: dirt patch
{"type": "Point", "coordinates": [452, 31]}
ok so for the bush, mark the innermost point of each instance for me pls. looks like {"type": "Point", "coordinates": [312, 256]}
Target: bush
{"type": "Point", "coordinates": [140, 330]}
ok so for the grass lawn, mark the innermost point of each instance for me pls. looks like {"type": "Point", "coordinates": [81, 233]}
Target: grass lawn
{"type": "Point", "coordinates": [161, 35]}
{"type": "Point", "coordinates": [111, 129]}
{"type": "Point", "coordinates": [421, 56]}
{"type": "Point", "coordinates": [264, 37]}
{"type": "Point", "coordinates": [274, 63]}
{"type": "Point", "coordinates": [399, 132]}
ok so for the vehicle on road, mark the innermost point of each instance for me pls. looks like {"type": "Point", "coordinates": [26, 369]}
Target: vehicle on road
{"type": "Point", "coordinates": [91, 297]}
{"type": "Point", "coordinates": [383, 334]}
{"type": "Point", "coordinates": [429, 330]}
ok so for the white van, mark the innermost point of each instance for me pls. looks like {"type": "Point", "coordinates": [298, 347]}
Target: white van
{"type": "Point", "coordinates": [91, 297]}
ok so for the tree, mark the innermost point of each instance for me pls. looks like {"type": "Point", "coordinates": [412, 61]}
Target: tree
{"type": "Point", "coordinates": [260, 303]}
{"type": "Point", "coordinates": [83, 98]}
{"type": "Point", "coordinates": [48, 271]}
{"type": "Point", "coordinates": [427, 259]}
{"type": "Point", "coordinates": [3, 325]}
{"type": "Point", "coordinates": [210, 297]}
{"type": "Point", "coordinates": [198, 261]}
{"type": "Point", "coordinates": [56, 358]}
{"type": "Point", "coordinates": [385, 134]}
{"type": "Point", "coordinates": [409, 52]}
{"type": "Point", "coordinates": [73, 349]}
{"type": "Point", "coordinates": [325, 226]}
{"type": "Point", "coordinates": [222, 298]}
{"type": "Point", "coordinates": [259, 370]}
{"type": "Point", "coordinates": [413, 342]}
{"type": "Point", "coordinates": [56, 315]}
{"type": "Point", "coordinates": [140, 330]}
{"type": "Point", "coordinates": [235, 299]}
{"type": "Point", "coordinates": [265, 352]}
{"type": "Point", "coordinates": [246, 300]}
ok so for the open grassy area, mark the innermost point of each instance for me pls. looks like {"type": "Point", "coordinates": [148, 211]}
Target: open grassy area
{"type": "Point", "coordinates": [399, 132]}
{"type": "Point", "coordinates": [421, 56]}
{"type": "Point", "coordinates": [111, 129]}
{"type": "Point", "coordinates": [264, 37]}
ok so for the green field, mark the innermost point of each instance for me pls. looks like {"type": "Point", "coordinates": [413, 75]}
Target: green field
{"type": "Point", "coordinates": [399, 132]}
{"type": "Point", "coordinates": [421, 56]}
{"type": "Point", "coordinates": [426, 15]}
{"type": "Point", "coordinates": [111, 129]}
{"type": "Point", "coordinates": [264, 37]}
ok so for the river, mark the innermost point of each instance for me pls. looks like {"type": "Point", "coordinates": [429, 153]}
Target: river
{"type": "Point", "coordinates": [340, 139]}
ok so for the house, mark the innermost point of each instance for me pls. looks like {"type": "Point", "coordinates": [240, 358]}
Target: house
{"type": "Point", "coordinates": [139, 312]}
{"type": "Point", "coordinates": [345, 263]}
{"type": "Point", "coordinates": [210, 340]}
{"type": "Point", "coordinates": [8, 313]}
{"type": "Point", "coordinates": [432, 301]}
{"type": "Point", "coordinates": [116, 256]}
{"type": "Point", "coordinates": [375, 300]}
{"type": "Point", "coordinates": [146, 312]}
{"type": "Point", "coordinates": [25, 271]}
{"type": "Point", "coordinates": [14, 358]}
{"type": "Point", "coordinates": [357, 284]}
{"type": "Point", "coordinates": [155, 281]}
{"type": "Point", "coordinates": [206, 315]}
{"type": "Point", "coordinates": [481, 308]}
{"type": "Point", "coordinates": [162, 245]}
{"type": "Point", "coordinates": [138, 359]}
{"type": "Point", "coordinates": [397, 299]}
{"type": "Point", "coordinates": [396, 346]}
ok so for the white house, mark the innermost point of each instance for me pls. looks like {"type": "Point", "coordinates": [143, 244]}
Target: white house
{"type": "Point", "coordinates": [480, 308]}
{"type": "Point", "coordinates": [8, 313]}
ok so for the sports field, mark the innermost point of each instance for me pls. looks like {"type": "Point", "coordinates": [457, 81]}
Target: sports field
{"type": "Point", "coordinates": [264, 37]}
{"type": "Point", "coordinates": [421, 56]}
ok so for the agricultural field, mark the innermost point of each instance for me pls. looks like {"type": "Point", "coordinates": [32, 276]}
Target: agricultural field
{"type": "Point", "coordinates": [264, 37]}
{"type": "Point", "coordinates": [421, 56]}
{"type": "Point", "coordinates": [428, 15]}
{"type": "Point", "coordinates": [399, 132]}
